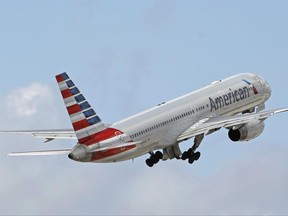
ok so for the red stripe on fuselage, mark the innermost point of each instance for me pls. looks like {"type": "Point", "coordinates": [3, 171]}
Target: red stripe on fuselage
{"type": "Point", "coordinates": [110, 152]}
{"type": "Point", "coordinates": [100, 136]}
{"type": "Point", "coordinates": [73, 109]}
{"type": "Point", "coordinates": [59, 78]}
{"type": "Point", "coordinates": [66, 93]}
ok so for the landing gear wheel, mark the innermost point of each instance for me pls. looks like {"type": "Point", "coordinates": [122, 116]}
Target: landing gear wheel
{"type": "Point", "coordinates": [149, 162]}
{"type": "Point", "coordinates": [191, 160]}
{"type": "Point", "coordinates": [185, 155]}
{"type": "Point", "coordinates": [197, 156]}
{"type": "Point", "coordinates": [159, 155]}
{"type": "Point", "coordinates": [190, 155]}
{"type": "Point", "coordinates": [154, 159]}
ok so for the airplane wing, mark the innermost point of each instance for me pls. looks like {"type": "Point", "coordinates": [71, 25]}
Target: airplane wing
{"type": "Point", "coordinates": [49, 135]}
{"type": "Point", "coordinates": [41, 153]}
{"type": "Point", "coordinates": [207, 125]}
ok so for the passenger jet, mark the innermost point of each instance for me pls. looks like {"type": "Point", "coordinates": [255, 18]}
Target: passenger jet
{"type": "Point", "coordinates": [236, 103]}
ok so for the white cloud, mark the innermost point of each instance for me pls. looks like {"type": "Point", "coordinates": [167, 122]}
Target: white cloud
{"type": "Point", "coordinates": [26, 101]}
{"type": "Point", "coordinates": [35, 106]}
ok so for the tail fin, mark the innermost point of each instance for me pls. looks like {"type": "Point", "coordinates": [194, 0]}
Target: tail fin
{"type": "Point", "coordinates": [85, 121]}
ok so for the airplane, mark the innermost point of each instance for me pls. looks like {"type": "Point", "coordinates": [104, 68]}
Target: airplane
{"type": "Point", "coordinates": [236, 103]}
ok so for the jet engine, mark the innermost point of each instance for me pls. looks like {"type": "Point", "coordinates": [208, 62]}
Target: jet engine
{"type": "Point", "coordinates": [247, 132]}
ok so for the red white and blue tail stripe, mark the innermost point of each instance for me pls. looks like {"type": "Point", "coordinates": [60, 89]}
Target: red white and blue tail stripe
{"type": "Point", "coordinates": [85, 121]}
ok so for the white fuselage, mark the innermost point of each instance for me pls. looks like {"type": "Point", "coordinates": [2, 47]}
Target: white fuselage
{"type": "Point", "coordinates": [159, 127]}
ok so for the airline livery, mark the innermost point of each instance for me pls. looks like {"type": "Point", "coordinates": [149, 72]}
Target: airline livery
{"type": "Point", "coordinates": [236, 103]}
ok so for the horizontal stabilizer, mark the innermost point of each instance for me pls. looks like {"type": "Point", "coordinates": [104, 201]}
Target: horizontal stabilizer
{"type": "Point", "coordinates": [46, 134]}
{"type": "Point", "coordinates": [41, 153]}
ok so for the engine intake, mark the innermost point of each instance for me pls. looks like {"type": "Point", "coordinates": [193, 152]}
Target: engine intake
{"type": "Point", "coordinates": [247, 132]}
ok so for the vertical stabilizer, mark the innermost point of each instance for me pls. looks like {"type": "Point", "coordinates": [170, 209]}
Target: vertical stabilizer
{"type": "Point", "coordinates": [85, 121]}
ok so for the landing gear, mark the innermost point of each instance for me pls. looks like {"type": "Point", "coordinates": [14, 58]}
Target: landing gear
{"type": "Point", "coordinates": [154, 158]}
{"type": "Point", "coordinates": [149, 162]}
{"type": "Point", "coordinates": [174, 152]}
{"type": "Point", "coordinates": [191, 155]}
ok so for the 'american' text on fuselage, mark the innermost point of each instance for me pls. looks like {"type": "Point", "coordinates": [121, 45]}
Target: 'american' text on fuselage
{"type": "Point", "coordinates": [229, 98]}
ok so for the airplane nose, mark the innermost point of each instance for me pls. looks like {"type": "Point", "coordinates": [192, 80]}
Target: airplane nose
{"type": "Point", "coordinates": [267, 88]}
{"type": "Point", "coordinates": [265, 85]}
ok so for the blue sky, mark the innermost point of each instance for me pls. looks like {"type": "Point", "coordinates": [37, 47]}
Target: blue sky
{"type": "Point", "coordinates": [126, 56]}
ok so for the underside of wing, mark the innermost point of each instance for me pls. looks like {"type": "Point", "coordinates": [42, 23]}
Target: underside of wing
{"type": "Point", "coordinates": [46, 134]}
{"type": "Point", "coordinates": [208, 125]}
{"type": "Point", "coordinates": [41, 153]}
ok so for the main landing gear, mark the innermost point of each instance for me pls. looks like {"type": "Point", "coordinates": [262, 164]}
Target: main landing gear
{"type": "Point", "coordinates": [191, 154]}
{"type": "Point", "coordinates": [154, 158]}
{"type": "Point", "coordinates": [174, 152]}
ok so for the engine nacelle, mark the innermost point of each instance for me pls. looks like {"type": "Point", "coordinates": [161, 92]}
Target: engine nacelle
{"type": "Point", "coordinates": [247, 132]}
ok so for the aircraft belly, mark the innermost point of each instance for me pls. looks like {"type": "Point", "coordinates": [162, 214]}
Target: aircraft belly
{"type": "Point", "coordinates": [172, 134]}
